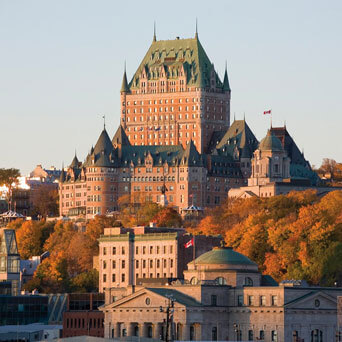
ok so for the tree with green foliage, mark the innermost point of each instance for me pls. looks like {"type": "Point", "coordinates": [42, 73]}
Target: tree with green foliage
{"type": "Point", "coordinates": [9, 178]}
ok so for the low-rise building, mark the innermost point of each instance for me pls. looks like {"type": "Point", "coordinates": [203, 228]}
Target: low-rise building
{"type": "Point", "coordinates": [224, 297]}
{"type": "Point", "coordinates": [127, 254]}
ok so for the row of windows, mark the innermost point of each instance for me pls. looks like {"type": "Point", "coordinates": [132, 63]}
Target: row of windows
{"type": "Point", "coordinates": [144, 275]}
{"type": "Point", "coordinates": [148, 179]}
{"type": "Point", "coordinates": [142, 263]}
{"type": "Point", "coordinates": [194, 99]}
{"type": "Point", "coordinates": [166, 127]}
{"type": "Point", "coordinates": [80, 323]}
{"type": "Point", "coordinates": [251, 300]}
{"type": "Point", "coordinates": [140, 250]}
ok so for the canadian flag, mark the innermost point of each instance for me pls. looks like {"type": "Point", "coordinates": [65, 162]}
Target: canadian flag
{"type": "Point", "coordinates": [268, 111]}
{"type": "Point", "coordinates": [189, 243]}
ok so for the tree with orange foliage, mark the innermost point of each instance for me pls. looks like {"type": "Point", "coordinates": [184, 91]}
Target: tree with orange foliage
{"type": "Point", "coordinates": [168, 217]}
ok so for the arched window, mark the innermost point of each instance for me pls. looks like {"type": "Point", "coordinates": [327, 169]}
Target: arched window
{"type": "Point", "coordinates": [221, 281]}
{"type": "Point", "coordinates": [193, 281]}
{"type": "Point", "coordinates": [248, 281]}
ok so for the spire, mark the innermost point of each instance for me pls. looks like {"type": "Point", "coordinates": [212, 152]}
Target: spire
{"type": "Point", "coordinates": [74, 163]}
{"type": "Point", "coordinates": [62, 176]}
{"type": "Point", "coordinates": [226, 86]}
{"type": "Point", "coordinates": [104, 121]}
{"type": "Point", "coordinates": [154, 32]}
{"type": "Point", "coordinates": [196, 34]}
{"type": "Point", "coordinates": [124, 85]}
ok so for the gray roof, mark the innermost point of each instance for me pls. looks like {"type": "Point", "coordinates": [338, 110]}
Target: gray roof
{"type": "Point", "coordinates": [179, 297]}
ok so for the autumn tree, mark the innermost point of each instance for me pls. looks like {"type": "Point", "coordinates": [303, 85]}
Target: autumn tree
{"type": "Point", "coordinates": [168, 217]}
{"type": "Point", "coordinates": [45, 201]}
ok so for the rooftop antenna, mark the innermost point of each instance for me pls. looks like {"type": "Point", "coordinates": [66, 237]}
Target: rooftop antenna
{"type": "Point", "coordinates": [154, 32]}
{"type": "Point", "coordinates": [196, 34]}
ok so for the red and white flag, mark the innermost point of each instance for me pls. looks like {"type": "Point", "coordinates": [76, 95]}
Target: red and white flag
{"type": "Point", "coordinates": [189, 243]}
{"type": "Point", "coordinates": [268, 111]}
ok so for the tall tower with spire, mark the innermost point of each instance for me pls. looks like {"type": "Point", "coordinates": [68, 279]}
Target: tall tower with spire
{"type": "Point", "coordinates": [175, 96]}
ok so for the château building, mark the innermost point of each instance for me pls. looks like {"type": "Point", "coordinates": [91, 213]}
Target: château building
{"type": "Point", "coordinates": [175, 144]}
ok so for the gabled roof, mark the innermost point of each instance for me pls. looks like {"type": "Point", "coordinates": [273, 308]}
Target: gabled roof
{"type": "Point", "coordinates": [120, 137]}
{"type": "Point", "coordinates": [240, 135]}
{"type": "Point", "coordinates": [312, 294]}
{"type": "Point", "coordinates": [170, 55]}
{"type": "Point", "coordinates": [179, 297]}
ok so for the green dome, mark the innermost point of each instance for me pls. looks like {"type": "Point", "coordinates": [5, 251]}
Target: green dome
{"type": "Point", "coordinates": [224, 256]}
{"type": "Point", "coordinates": [270, 143]}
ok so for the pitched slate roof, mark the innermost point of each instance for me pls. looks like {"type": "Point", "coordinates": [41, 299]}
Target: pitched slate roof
{"type": "Point", "coordinates": [238, 135]}
{"type": "Point", "coordinates": [179, 297]}
{"type": "Point", "coordinates": [172, 54]}
{"type": "Point", "coordinates": [160, 154]}
{"type": "Point", "coordinates": [74, 163]}
{"type": "Point", "coordinates": [103, 154]}
{"type": "Point", "coordinates": [191, 157]}
{"type": "Point", "coordinates": [120, 137]}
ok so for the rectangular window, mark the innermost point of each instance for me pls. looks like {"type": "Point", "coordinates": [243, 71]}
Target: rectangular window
{"type": "Point", "coordinates": [213, 300]}
{"type": "Point", "coordinates": [136, 250]}
{"type": "Point", "coordinates": [104, 251]}
{"type": "Point", "coordinates": [262, 300]}
{"type": "Point", "coordinates": [151, 249]}
{"type": "Point", "coordinates": [250, 335]}
{"type": "Point", "coordinates": [240, 300]}
{"type": "Point", "coordinates": [123, 251]}
{"type": "Point", "coordinates": [123, 264]}
{"type": "Point", "coordinates": [123, 277]}
{"type": "Point", "coordinates": [274, 336]}
{"type": "Point", "coordinates": [114, 250]}
{"type": "Point", "coordinates": [104, 277]}
{"type": "Point", "coordinates": [113, 264]}
{"type": "Point", "coordinates": [250, 300]}
{"type": "Point", "coordinates": [274, 300]}
{"type": "Point", "coordinates": [113, 278]}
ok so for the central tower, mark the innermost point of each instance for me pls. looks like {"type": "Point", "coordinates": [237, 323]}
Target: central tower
{"type": "Point", "coordinates": [175, 96]}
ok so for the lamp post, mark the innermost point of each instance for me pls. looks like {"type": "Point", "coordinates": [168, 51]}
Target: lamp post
{"type": "Point", "coordinates": [169, 318]}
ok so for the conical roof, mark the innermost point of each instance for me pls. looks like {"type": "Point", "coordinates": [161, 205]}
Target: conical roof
{"type": "Point", "coordinates": [271, 143]}
{"type": "Point", "coordinates": [124, 85]}
{"type": "Point", "coordinates": [120, 137]}
{"type": "Point", "coordinates": [103, 153]}
{"type": "Point", "coordinates": [226, 85]}
{"type": "Point", "coordinates": [74, 163]}
{"type": "Point", "coordinates": [103, 143]}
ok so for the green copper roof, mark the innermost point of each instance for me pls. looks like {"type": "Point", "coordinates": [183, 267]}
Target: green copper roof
{"type": "Point", "coordinates": [224, 255]}
{"type": "Point", "coordinates": [270, 143]}
{"type": "Point", "coordinates": [170, 56]}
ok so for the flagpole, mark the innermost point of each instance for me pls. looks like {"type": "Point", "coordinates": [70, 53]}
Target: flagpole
{"type": "Point", "coordinates": [194, 252]}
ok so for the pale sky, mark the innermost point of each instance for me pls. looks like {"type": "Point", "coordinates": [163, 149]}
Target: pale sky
{"type": "Point", "coordinates": [61, 66]}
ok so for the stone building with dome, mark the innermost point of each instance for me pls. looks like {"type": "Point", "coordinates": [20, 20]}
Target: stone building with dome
{"type": "Point", "coordinates": [222, 297]}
